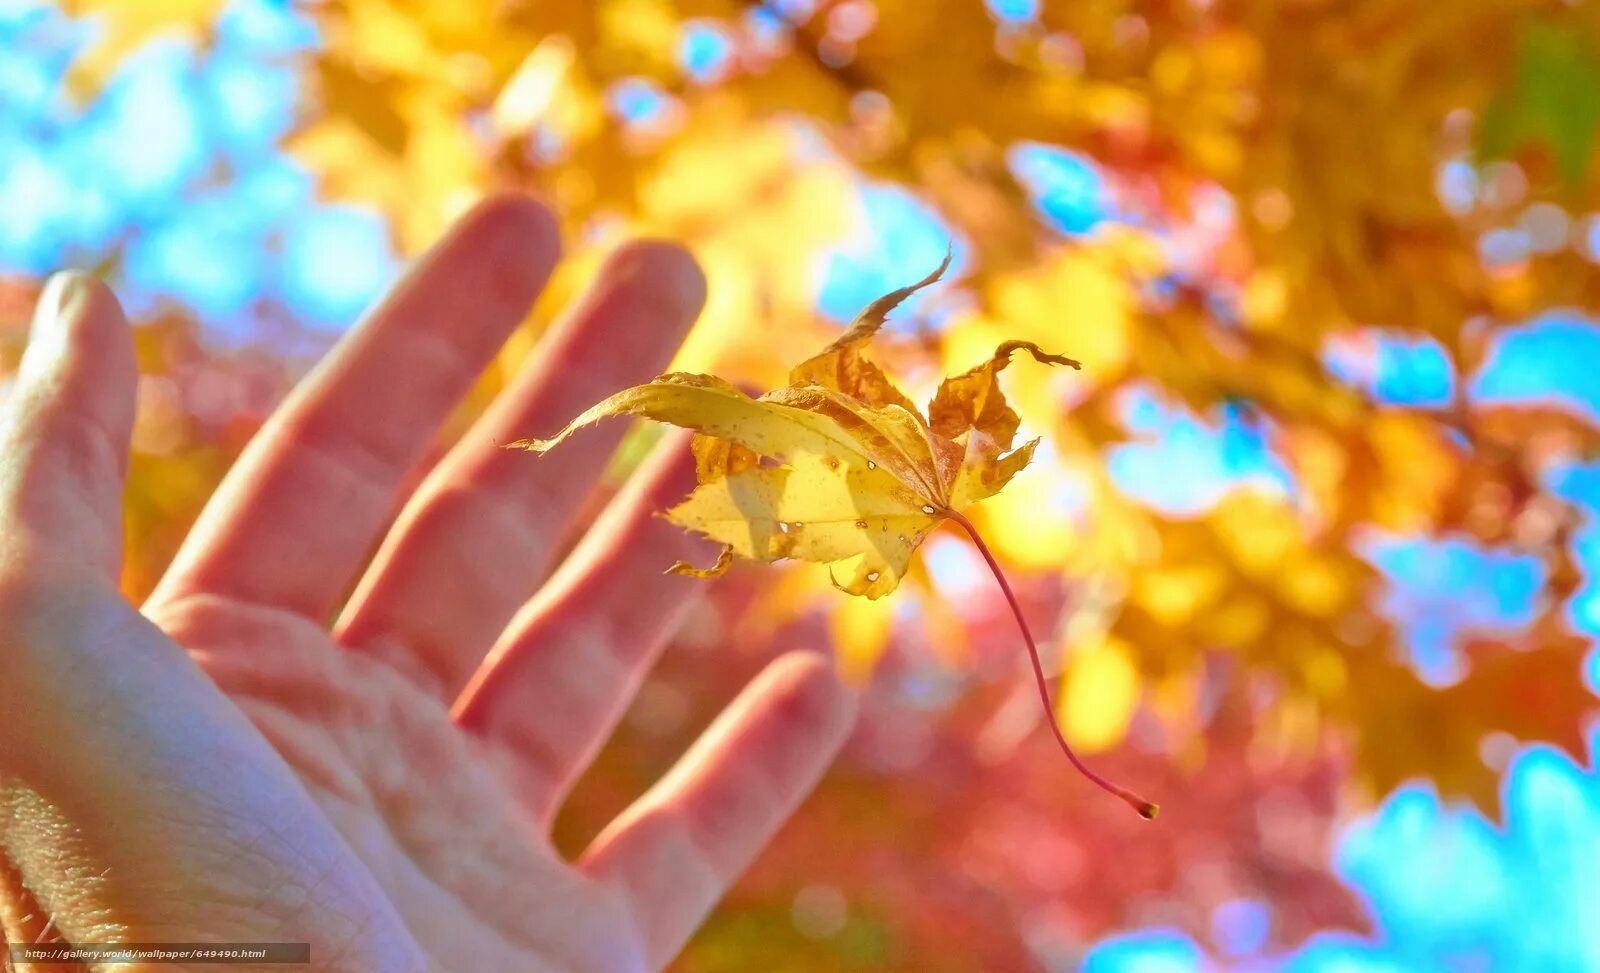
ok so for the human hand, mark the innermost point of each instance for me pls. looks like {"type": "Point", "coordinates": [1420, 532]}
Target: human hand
{"type": "Point", "coordinates": [224, 765]}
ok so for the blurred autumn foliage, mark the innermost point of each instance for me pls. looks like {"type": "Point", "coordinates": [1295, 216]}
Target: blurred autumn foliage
{"type": "Point", "coordinates": [1284, 189]}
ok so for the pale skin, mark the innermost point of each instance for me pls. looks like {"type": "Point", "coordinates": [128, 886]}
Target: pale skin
{"type": "Point", "coordinates": [284, 743]}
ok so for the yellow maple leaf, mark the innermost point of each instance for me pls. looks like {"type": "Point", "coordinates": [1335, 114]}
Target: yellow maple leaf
{"type": "Point", "coordinates": [860, 476]}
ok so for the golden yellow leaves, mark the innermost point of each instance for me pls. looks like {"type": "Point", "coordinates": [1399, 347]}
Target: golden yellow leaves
{"type": "Point", "coordinates": [861, 476]}
{"type": "Point", "coordinates": [126, 27]}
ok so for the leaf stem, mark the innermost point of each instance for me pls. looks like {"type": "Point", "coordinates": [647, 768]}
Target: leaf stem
{"type": "Point", "coordinates": [1144, 808]}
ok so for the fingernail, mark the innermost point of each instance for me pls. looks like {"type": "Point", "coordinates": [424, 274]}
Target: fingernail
{"type": "Point", "coordinates": [58, 304]}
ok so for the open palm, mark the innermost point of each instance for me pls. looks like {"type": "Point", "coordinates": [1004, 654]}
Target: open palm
{"type": "Point", "coordinates": [225, 765]}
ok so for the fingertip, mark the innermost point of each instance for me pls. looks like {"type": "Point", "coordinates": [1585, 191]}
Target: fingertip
{"type": "Point", "coordinates": [73, 302]}
{"type": "Point", "coordinates": [519, 219]}
{"type": "Point", "coordinates": [79, 331]}
{"type": "Point", "coordinates": [668, 268]}
{"type": "Point", "coordinates": [99, 316]}
{"type": "Point", "coordinates": [515, 236]}
{"type": "Point", "coordinates": [816, 697]}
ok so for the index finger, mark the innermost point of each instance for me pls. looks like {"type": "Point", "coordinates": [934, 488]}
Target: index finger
{"type": "Point", "coordinates": [300, 511]}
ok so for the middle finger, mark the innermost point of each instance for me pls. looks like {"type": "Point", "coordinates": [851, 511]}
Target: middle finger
{"type": "Point", "coordinates": [482, 531]}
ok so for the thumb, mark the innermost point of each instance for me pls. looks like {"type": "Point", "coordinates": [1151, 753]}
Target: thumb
{"type": "Point", "coordinates": [64, 435]}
